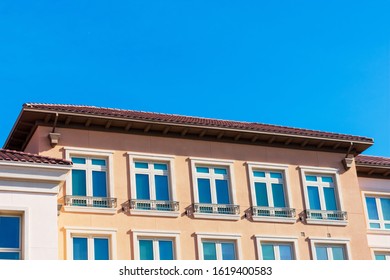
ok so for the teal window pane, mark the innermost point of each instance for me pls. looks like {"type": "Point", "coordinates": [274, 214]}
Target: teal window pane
{"type": "Point", "coordinates": [77, 160]}
{"type": "Point", "coordinates": [338, 253]}
{"type": "Point", "coordinates": [375, 225]}
{"type": "Point", "coordinates": [142, 186]}
{"type": "Point", "coordinates": [278, 195]}
{"type": "Point", "coordinates": [101, 248]}
{"type": "Point", "coordinates": [80, 248]}
{"type": "Point", "coordinates": [166, 249]}
{"type": "Point", "coordinates": [322, 253]}
{"type": "Point", "coordinates": [222, 191]}
{"type": "Point", "coordinates": [259, 174]}
{"type": "Point", "coordinates": [202, 170]}
{"type": "Point", "coordinates": [162, 189]}
{"type": "Point", "coordinates": [268, 251]}
{"type": "Point", "coordinates": [314, 198]}
{"type": "Point", "coordinates": [228, 251]}
{"type": "Point", "coordinates": [146, 250]}
{"type": "Point", "coordinates": [276, 175]}
{"type": "Point", "coordinates": [99, 183]}
{"type": "Point", "coordinates": [220, 171]}
{"type": "Point", "coordinates": [99, 162]}
{"type": "Point", "coordinates": [385, 203]}
{"type": "Point", "coordinates": [285, 252]}
{"type": "Point", "coordinates": [79, 182]}
{"type": "Point", "coordinates": [9, 232]}
{"type": "Point", "coordinates": [311, 178]}
{"type": "Point", "coordinates": [204, 190]}
{"type": "Point", "coordinates": [372, 208]}
{"type": "Point", "coordinates": [327, 179]}
{"type": "Point", "coordinates": [209, 251]}
{"type": "Point", "coordinates": [142, 165]}
{"type": "Point", "coordinates": [160, 166]}
{"type": "Point", "coordinates": [330, 199]}
{"type": "Point", "coordinates": [379, 257]}
{"type": "Point", "coordinates": [387, 226]}
{"type": "Point", "coordinates": [261, 194]}
{"type": "Point", "coordinates": [9, 256]}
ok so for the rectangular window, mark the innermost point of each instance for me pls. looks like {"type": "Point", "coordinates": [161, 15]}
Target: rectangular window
{"type": "Point", "coordinates": [156, 249]}
{"type": "Point", "coordinates": [382, 256]}
{"type": "Point", "coordinates": [213, 185]}
{"type": "Point", "coordinates": [330, 252]}
{"type": "Point", "coordinates": [91, 248]}
{"type": "Point", "coordinates": [10, 237]}
{"type": "Point", "coordinates": [378, 212]}
{"type": "Point", "coordinates": [277, 251]}
{"type": "Point", "coordinates": [219, 250]}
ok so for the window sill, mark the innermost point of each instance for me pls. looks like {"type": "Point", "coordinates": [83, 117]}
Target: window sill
{"type": "Point", "coordinates": [154, 213]}
{"type": "Point", "coordinates": [216, 216]}
{"type": "Point", "coordinates": [274, 219]}
{"type": "Point", "coordinates": [326, 222]}
{"type": "Point", "coordinates": [83, 209]}
{"type": "Point", "coordinates": [379, 231]}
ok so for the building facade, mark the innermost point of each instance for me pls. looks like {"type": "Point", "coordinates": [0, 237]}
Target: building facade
{"type": "Point", "coordinates": [155, 186]}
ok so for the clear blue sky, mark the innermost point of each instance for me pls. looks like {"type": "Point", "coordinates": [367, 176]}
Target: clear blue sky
{"type": "Point", "coordinates": [312, 64]}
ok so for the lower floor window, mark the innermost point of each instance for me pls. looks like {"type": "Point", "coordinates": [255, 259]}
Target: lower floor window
{"type": "Point", "coordinates": [10, 237]}
{"type": "Point", "coordinates": [382, 256]}
{"type": "Point", "coordinates": [330, 252]}
{"type": "Point", "coordinates": [277, 251]}
{"type": "Point", "coordinates": [91, 248]}
{"type": "Point", "coordinates": [219, 250]}
{"type": "Point", "coordinates": [156, 249]}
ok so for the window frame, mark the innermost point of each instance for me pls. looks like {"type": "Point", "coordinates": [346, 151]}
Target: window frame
{"type": "Point", "coordinates": [384, 251]}
{"type": "Point", "coordinates": [212, 163]}
{"type": "Point", "coordinates": [218, 237]}
{"type": "Point", "coordinates": [381, 221]}
{"type": "Point", "coordinates": [330, 242]}
{"type": "Point", "coordinates": [269, 167]}
{"type": "Point", "coordinates": [174, 236]}
{"type": "Point", "coordinates": [90, 234]}
{"type": "Point", "coordinates": [18, 250]}
{"type": "Point", "coordinates": [276, 240]}
{"type": "Point", "coordinates": [153, 158]}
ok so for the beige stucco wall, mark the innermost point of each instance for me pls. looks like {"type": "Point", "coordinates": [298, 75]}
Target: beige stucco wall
{"type": "Point", "coordinates": [182, 150]}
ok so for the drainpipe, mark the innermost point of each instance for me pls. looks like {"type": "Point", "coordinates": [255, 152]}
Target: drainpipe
{"type": "Point", "coordinates": [348, 160]}
{"type": "Point", "coordinates": [53, 136]}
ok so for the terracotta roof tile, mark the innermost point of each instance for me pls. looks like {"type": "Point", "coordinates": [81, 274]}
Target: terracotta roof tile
{"type": "Point", "coordinates": [16, 156]}
{"type": "Point", "coordinates": [372, 160]}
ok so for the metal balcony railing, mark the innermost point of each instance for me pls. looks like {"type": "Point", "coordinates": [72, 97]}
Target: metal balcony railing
{"type": "Point", "coordinates": [334, 215]}
{"type": "Point", "coordinates": [156, 205]}
{"type": "Point", "coordinates": [227, 209]}
{"type": "Point", "coordinates": [278, 212]}
{"type": "Point", "coordinates": [90, 201]}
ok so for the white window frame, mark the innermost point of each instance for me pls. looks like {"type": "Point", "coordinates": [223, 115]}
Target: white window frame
{"type": "Point", "coordinates": [153, 158]}
{"type": "Point", "coordinates": [323, 171]}
{"type": "Point", "coordinates": [95, 154]}
{"type": "Point", "coordinates": [330, 242]}
{"type": "Point", "coordinates": [91, 233]}
{"type": "Point", "coordinates": [277, 240]}
{"type": "Point", "coordinates": [218, 237]}
{"type": "Point", "coordinates": [173, 236]}
{"type": "Point", "coordinates": [267, 168]}
{"type": "Point", "coordinates": [381, 221]}
{"type": "Point", "coordinates": [212, 163]}
{"type": "Point", "coordinates": [15, 250]}
{"type": "Point", "coordinates": [384, 251]}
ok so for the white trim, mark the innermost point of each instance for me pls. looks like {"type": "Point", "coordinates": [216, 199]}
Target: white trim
{"type": "Point", "coordinates": [236, 238]}
{"type": "Point", "coordinates": [88, 151]}
{"type": "Point", "coordinates": [330, 241]}
{"type": "Point", "coordinates": [212, 161]}
{"type": "Point", "coordinates": [385, 251]}
{"type": "Point", "coordinates": [381, 221]}
{"type": "Point", "coordinates": [171, 235]}
{"type": "Point", "coordinates": [36, 165]}
{"type": "Point", "coordinates": [151, 156]}
{"type": "Point", "coordinates": [316, 169]}
{"type": "Point", "coordinates": [277, 240]}
{"type": "Point", "coordinates": [91, 233]}
{"type": "Point", "coordinates": [97, 210]}
{"type": "Point", "coordinates": [154, 213]}
{"type": "Point", "coordinates": [216, 216]}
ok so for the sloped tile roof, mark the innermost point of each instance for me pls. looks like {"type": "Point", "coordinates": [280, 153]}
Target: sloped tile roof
{"type": "Point", "coordinates": [16, 156]}
{"type": "Point", "coordinates": [372, 160]}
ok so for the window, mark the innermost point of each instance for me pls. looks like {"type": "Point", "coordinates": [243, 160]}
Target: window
{"type": "Point", "coordinates": [218, 246]}
{"type": "Point", "coordinates": [382, 255]}
{"type": "Point", "coordinates": [323, 202]}
{"type": "Point", "coordinates": [152, 185]}
{"type": "Point", "coordinates": [276, 248]}
{"type": "Point", "coordinates": [90, 243]}
{"type": "Point", "coordinates": [330, 249]}
{"type": "Point", "coordinates": [270, 196]}
{"type": "Point", "coordinates": [378, 212]}
{"type": "Point", "coordinates": [10, 237]}
{"type": "Point", "coordinates": [213, 190]}
{"type": "Point", "coordinates": [156, 245]}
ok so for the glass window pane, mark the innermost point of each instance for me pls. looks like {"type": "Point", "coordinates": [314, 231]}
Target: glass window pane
{"type": "Point", "coordinates": [220, 171]}
{"type": "Point", "coordinates": [166, 249]}
{"type": "Point", "coordinates": [79, 181]}
{"type": "Point", "coordinates": [327, 179]}
{"type": "Point", "coordinates": [268, 251]}
{"type": "Point", "coordinates": [101, 248]}
{"type": "Point", "coordinates": [77, 160]}
{"type": "Point", "coordinates": [311, 178]}
{"type": "Point", "coordinates": [259, 174]}
{"type": "Point", "coordinates": [99, 162]}
{"type": "Point", "coordinates": [160, 166]}
{"type": "Point", "coordinates": [385, 203]}
{"type": "Point", "coordinates": [202, 170]}
{"type": "Point", "coordinates": [375, 225]}
{"type": "Point", "coordinates": [162, 189]}
{"type": "Point", "coordinates": [276, 175]}
{"type": "Point", "coordinates": [99, 183]}
{"type": "Point", "coordinates": [142, 186]}
{"type": "Point", "coordinates": [142, 165]}
{"type": "Point", "coordinates": [80, 248]}
{"type": "Point", "coordinates": [330, 199]}
{"type": "Point", "coordinates": [261, 194]}
{"type": "Point", "coordinates": [322, 253]}
{"type": "Point", "coordinates": [380, 257]}
{"type": "Point", "coordinates": [285, 252]}
{"type": "Point", "coordinates": [314, 198]}
{"type": "Point", "coordinates": [146, 250]}
{"type": "Point", "coordinates": [278, 195]}
{"type": "Point", "coordinates": [222, 191]}
{"type": "Point", "coordinates": [204, 190]}
{"type": "Point", "coordinates": [9, 232]}
{"type": "Point", "coordinates": [9, 256]}
{"type": "Point", "coordinates": [209, 251]}
{"type": "Point", "coordinates": [372, 208]}
{"type": "Point", "coordinates": [228, 251]}
{"type": "Point", "coordinates": [387, 226]}
{"type": "Point", "coordinates": [338, 253]}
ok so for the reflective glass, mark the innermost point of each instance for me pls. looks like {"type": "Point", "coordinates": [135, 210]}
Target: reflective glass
{"type": "Point", "coordinates": [99, 184]}
{"type": "Point", "coordinates": [80, 248]}
{"type": "Point", "coordinates": [372, 208]}
{"type": "Point", "coordinates": [142, 186]}
{"type": "Point", "coordinates": [101, 248]}
{"type": "Point", "coordinates": [261, 194]}
{"type": "Point", "coordinates": [222, 191]}
{"type": "Point", "coordinates": [146, 249]}
{"type": "Point", "coordinates": [228, 251]}
{"type": "Point", "coordinates": [322, 253]}
{"type": "Point", "coordinates": [285, 252]}
{"type": "Point", "coordinates": [385, 203]}
{"type": "Point", "coordinates": [166, 249]}
{"type": "Point", "coordinates": [278, 195]}
{"type": "Point", "coordinates": [99, 162]}
{"type": "Point", "coordinates": [330, 199]}
{"type": "Point", "coordinates": [9, 232]}
{"type": "Point", "coordinates": [204, 190]}
{"type": "Point", "coordinates": [268, 251]}
{"type": "Point", "coordinates": [160, 166]}
{"type": "Point", "coordinates": [314, 198]}
{"type": "Point", "coordinates": [79, 181]}
{"type": "Point", "coordinates": [162, 189]}
{"type": "Point", "coordinates": [209, 251]}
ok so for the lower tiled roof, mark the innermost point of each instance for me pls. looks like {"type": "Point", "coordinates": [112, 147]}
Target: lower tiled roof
{"type": "Point", "coordinates": [16, 156]}
{"type": "Point", "coordinates": [372, 160]}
